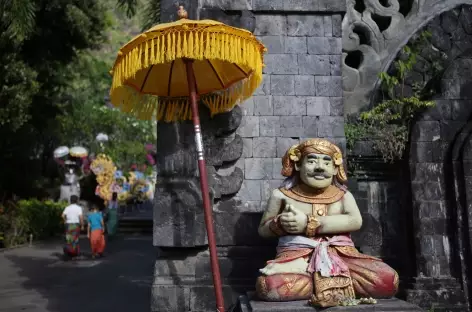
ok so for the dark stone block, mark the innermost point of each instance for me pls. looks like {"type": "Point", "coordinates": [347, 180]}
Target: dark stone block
{"type": "Point", "coordinates": [177, 208]}
{"type": "Point", "coordinates": [433, 265]}
{"type": "Point", "coordinates": [467, 151]}
{"type": "Point", "coordinates": [459, 70]}
{"type": "Point", "coordinates": [440, 150]}
{"type": "Point", "coordinates": [432, 245]}
{"type": "Point", "coordinates": [362, 203]}
{"type": "Point", "coordinates": [249, 303]}
{"type": "Point", "coordinates": [427, 191]}
{"type": "Point", "coordinates": [353, 186]}
{"type": "Point", "coordinates": [202, 298]}
{"type": "Point", "coordinates": [268, 5]}
{"type": "Point", "coordinates": [233, 228]}
{"type": "Point", "coordinates": [441, 111]}
{"type": "Point", "coordinates": [241, 19]}
{"type": "Point", "coordinates": [364, 148]}
{"type": "Point", "coordinates": [425, 131]}
{"type": "Point", "coordinates": [461, 110]}
{"type": "Point", "coordinates": [431, 209]}
{"type": "Point", "coordinates": [465, 18]}
{"type": "Point", "coordinates": [459, 142]}
{"type": "Point", "coordinates": [467, 166]}
{"type": "Point", "coordinates": [449, 21]}
{"type": "Point", "coordinates": [178, 217]}
{"type": "Point", "coordinates": [449, 129]}
{"type": "Point", "coordinates": [426, 171]}
{"type": "Point", "coordinates": [439, 38]}
{"type": "Point", "coordinates": [332, 5]}
{"type": "Point", "coordinates": [175, 270]}
{"type": "Point", "coordinates": [421, 152]}
{"type": "Point", "coordinates": [337, 25]}
{"type": "Point", "coordinates": [441, 294]}
{"type": "Point", "coordinates": [430, 226]}
{"type": "Point", "coordinates": [370, 235]}
{"type": "Point", "coordinates": [170, 298]}
{"type": "Point", "coordinates": [233, 270]}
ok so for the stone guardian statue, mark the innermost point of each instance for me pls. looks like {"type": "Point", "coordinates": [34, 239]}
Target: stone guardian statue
{"type": "Point", "coordinates": [312, 215]}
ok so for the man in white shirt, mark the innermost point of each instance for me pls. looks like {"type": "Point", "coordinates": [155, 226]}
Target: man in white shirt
{"type": "Point", "coordinates": [73, 214]}
{"type": "Point", "coordinates": [74, 222]}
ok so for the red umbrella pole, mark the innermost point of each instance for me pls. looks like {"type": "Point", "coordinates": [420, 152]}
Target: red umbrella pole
{"type": "Point", "coordinates": [215, 267]}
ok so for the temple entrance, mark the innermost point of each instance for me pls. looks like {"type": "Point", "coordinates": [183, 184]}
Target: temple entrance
{"type": "Point", "coordinates": [462, 172]}
{"type": "Point", "coordinates": [440, 163]}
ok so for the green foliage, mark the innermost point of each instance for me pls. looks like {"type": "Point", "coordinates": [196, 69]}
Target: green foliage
{"type": "Point", "coordinates": [34, 80]}
{"type": "Point", "coordinates": [18, 86]}
{"type": "Point", "coordinates": [41, 219]}
{"type": "Point", "coordinates": [17, 18]}
{"type": "Point", "coordinates": [388, 123]}
{"type": "Point", "coordinates": [127, 135]}
{"type": "Point", "coordinates": [129, 6]}
{"type": "Point", "coordinates": [55, 56]}
{"type": "Point", "coordinates": [151, 14]}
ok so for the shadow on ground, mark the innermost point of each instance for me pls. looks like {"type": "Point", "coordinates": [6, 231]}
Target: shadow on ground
{"type": "Point", "coordinates": [36, 280]}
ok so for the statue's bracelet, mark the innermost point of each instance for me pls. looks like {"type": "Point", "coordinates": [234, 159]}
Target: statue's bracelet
{"type": "Point", "coordinates": [312, 225]}
{"type": "Point", "coordinates": [275, 227]}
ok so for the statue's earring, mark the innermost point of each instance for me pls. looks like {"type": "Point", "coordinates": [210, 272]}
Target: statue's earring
{"type": "Point", "coordinates": [297, 166]}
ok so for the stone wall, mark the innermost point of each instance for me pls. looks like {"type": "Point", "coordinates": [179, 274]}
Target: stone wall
{"type": "Point", "coordinates": [385, 231]}
{"type": "Point", "coordinates": [438, 211]}
{"type": "Point", "coordinates": [301, 97]}
{"type": "Point", "coordinates": [435, 214]}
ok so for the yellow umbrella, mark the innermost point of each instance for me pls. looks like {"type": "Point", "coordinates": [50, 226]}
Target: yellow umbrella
{"type": "Point", "coordinates": [150, 73]}
{"type": "Point", "coordinates": [160, 73]}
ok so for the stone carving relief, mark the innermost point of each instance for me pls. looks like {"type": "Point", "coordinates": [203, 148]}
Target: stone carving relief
{"type": "Point", "coordinates": [178, 217]}
{"type": "Point", "coordinates": [373, 33]}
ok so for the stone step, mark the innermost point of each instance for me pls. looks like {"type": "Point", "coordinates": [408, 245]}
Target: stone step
{"type": "Point", "coordinates": [249, 303]}
{"type": "Point", "coordinates": [144, 226]}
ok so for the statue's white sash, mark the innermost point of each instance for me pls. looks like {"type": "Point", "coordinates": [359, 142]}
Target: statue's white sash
{"type": "Point", "coordinates": [323, 261]}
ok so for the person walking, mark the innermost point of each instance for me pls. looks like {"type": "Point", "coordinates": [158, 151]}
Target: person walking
{"type": "Point", "coordinates": [96, 232]}
{"type": "Point", "coordinates": [74, 222]}
{"type": "Point", "coordinates": [112, 221]}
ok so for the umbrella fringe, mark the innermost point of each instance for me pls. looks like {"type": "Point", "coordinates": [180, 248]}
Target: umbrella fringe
{"type": "Point", "coordinates": [217, 43]}
{"type": "Point", "coordinates": [172, 109]}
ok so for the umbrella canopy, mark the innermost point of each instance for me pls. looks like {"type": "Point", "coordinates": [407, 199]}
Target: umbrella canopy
{"type": "Point", "coordinates": [78, 151]}
{"type": "Point", "coordinates": [61, 151]}
{"type": "Point", "coordinates": [150, 77]}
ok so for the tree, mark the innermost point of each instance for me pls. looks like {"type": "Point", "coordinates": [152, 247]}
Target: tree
{"type": "Point", "coordinates": [35, 49]}
{"type": "Point", "coordinates": [51, 69]}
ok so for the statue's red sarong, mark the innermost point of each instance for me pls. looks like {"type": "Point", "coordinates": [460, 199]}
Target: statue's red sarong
{"type": "Point", "coordinates": [370, 276]}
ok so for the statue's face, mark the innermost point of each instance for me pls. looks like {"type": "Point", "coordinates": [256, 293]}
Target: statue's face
{"type": "Point", "coordinates": [317, 170]}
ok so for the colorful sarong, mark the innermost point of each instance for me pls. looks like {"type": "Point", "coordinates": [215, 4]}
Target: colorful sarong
{"type": "Point", "coordinates": [328, 256]}
{"type": "Point", "coordinates": [112, 222]}
{"type": "Point", "coordinates": [97, 242]}
{"type": "Point", "coordinates": [72, 235]}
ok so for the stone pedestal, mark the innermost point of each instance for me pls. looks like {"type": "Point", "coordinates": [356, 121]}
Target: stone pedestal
{"type": "Point", "coordinates": [248, 303]}
{"type": "Point", "coordinates": [438, 294]}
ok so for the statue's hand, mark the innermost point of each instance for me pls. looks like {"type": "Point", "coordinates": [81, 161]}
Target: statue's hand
{"type": "Point", "coordinates": [293, 220]}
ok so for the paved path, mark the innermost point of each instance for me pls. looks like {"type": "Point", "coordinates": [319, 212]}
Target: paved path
{"type": "Point", "coordinates": [34, 279]}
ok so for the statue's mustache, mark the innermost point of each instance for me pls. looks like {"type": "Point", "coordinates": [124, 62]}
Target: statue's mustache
{"type": "Point", "coordinates": [318, 173]}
